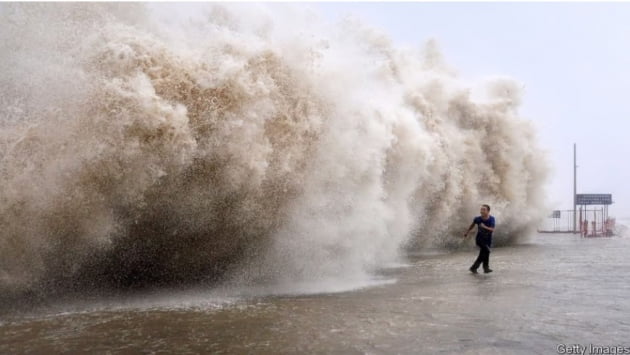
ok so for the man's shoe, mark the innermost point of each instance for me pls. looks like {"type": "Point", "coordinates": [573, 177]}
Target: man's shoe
{"type": "Point", "coordinates": [487, 271]}
{"type": "Point", "coordinates": [474, 271]}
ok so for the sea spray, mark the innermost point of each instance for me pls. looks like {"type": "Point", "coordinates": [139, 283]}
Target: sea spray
{"type": "Point", "coordinates": [253, 142]}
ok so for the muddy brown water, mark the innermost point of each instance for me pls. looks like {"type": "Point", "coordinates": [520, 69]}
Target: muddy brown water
{"type": "Point", "coordinates": [548, 291]}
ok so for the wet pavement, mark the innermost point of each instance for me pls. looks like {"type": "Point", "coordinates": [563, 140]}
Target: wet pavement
{"type": "Point", "coordinates": [543, 293]}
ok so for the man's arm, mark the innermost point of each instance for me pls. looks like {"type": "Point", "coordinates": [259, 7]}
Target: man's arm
{"type": "Point", "coordinates": [490, 225]}
{"type": "Point", "coordinates": [469, 229]}
{"type": "Point", "coordinates": [491, 229]}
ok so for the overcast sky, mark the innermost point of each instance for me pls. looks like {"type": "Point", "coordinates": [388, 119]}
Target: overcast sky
{"type": "Point", "coordinates": [572, 58]}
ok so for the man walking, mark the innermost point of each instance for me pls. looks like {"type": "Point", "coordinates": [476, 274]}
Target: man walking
{"type": "Point", "coordinates": [485, 227]}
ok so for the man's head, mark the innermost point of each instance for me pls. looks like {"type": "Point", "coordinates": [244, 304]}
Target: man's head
{"type": "Point", "coordinates": [485, 210]}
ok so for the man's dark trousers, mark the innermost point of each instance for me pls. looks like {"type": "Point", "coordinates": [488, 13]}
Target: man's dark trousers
{"type": "Point", "coordinates": [484, 257]}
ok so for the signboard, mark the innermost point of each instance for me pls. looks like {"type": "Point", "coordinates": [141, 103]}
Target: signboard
{"type": "Point", "coordinates": [555, 214]}
{"type": "Point", "coordinates": [594, 199]}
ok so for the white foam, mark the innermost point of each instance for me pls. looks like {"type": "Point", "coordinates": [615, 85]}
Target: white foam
{"type": "Point", "coordinates": [263, 141]}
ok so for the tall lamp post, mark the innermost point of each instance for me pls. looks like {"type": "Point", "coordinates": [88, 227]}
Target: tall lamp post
{"type": "Point", "coordinates": [574, 189]}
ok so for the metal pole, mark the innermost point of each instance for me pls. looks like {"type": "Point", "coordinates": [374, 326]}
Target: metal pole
{"type": "Point", "coordinates": [581, 223]}
{"type": "Point", "coordinates": [603, 220]}
{"type": "Point", "coordinates": [574, 188]}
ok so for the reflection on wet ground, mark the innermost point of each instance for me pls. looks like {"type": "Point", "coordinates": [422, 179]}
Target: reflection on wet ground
{"type": "Point", "coordinates": [554, 289]}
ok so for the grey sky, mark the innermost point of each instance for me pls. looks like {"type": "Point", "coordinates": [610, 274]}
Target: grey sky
{"type": "Point", "coordinates": [572, 58]}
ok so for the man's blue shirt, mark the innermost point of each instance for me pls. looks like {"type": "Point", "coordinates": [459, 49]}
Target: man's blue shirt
{"type": "Point", "coordinates": [484, 236]}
